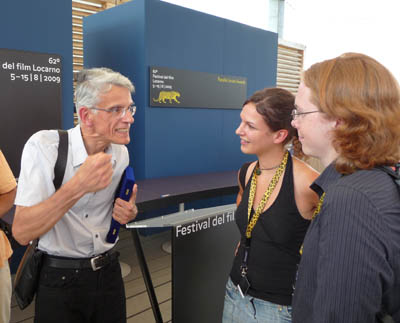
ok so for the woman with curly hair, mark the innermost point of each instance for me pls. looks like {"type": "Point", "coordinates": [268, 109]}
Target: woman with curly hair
{"type": "Point", "coordinates": [348, 115]}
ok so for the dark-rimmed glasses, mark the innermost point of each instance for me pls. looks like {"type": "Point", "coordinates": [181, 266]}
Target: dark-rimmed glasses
{"type": "Point", "coordinates": [296, 114]}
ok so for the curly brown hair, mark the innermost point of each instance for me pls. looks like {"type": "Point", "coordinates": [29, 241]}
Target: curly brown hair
{"type": "Point", "coordinates": [365, 97]}
{"type": "Point", "coordinates": [276, 106]}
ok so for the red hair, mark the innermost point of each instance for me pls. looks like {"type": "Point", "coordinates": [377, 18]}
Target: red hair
{"type": "Point", "coordinates": [365, 97]}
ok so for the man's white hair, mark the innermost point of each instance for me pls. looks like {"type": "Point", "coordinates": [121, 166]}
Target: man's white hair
{"type": "Point", "coordinates": [95, 81]}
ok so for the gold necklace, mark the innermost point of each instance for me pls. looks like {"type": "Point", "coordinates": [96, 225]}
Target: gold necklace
{"type": "Point", "coordinates": [316, 212]}
{"type": "Point", "coordinates": [266, 196]}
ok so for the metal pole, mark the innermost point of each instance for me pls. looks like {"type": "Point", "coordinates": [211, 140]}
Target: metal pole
{"type": "Point", "coordinates": [146, 276]}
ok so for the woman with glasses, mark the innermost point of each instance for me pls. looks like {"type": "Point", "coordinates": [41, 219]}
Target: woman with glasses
{"type": "Point", "coordinates": [348, 116]}
{"type": "Point", "coordinates": [274, 208]}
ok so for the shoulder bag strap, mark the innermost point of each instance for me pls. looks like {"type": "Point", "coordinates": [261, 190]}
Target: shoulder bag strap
{"type": "Point", "coordinates": [59, 168]}
{"type": "Point", "coordinates": [394, 173]}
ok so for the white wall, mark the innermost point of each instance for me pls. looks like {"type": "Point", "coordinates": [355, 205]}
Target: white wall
{"type": "Point", "coordinates": [327, 28]}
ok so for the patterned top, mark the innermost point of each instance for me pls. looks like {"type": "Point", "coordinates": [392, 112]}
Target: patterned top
{"type": "Point", "coordinates": [351, 258]}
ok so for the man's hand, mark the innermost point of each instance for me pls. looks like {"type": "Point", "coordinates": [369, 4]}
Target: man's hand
{"type": "Point", "coordinates": [95, 173]}
{"type": "Point", "coordinates": [124, 211]}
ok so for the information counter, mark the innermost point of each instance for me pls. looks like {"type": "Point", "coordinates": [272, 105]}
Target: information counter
{"type": "Point", "coordinates": [203, 242]}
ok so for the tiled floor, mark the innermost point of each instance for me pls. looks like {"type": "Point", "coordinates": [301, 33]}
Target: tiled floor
{"type": "Point", "coordinates": [137, 301]}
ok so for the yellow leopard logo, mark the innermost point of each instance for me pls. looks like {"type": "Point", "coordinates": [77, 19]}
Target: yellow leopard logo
{"type": "Point", "coordinates": [167, 95]}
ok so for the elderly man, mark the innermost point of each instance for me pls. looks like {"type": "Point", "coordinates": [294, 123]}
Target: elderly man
{"type": "Point", "coordinates": [72, 222]}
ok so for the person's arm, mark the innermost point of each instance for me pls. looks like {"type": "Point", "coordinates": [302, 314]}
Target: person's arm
{"type": "Point", "coordinates": [238, 200]}
{"type": "Point", "coordinates": [33, 221]}
{"type": "Point", "coordinates": [7, 201]}
{"type": "Point", "coordinates": [7, 186]}
{"type": "Point", "coordinates": [249, 172]}
{"type": "Point", "coordinates": [352, 259]}
{"type": "Point", "coordinates": [306, 199]}
{"type": "Point", "coordinates": [240, 193]}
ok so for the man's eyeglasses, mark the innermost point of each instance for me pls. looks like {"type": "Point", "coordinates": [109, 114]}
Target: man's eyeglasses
{"type": "Point", "coordinates": [296, 114]}
{"type": "Point", "coordinates": [118, 112]}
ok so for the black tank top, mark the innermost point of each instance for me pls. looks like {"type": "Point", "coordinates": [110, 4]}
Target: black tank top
{"type": "Point", "coordinates": [275, 243]}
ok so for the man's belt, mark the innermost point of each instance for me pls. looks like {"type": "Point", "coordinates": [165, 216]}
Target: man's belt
{"type": "Point", "coordinates": [94, 263]}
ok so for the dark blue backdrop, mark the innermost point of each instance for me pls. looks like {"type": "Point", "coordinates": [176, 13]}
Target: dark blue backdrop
{"type": "Point", "coordinates": [178, 141]}
{"type": "Point", "coordinates": [43, 26]}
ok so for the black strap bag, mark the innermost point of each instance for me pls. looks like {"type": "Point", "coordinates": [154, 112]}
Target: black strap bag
{"type": "Point", "coordinates": [28, 272]}
{"type": "Point", "coordinates": [27, 276]}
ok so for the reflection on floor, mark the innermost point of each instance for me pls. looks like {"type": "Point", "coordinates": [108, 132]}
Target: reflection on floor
{"type": "Point", "coordinates": [137, 301]}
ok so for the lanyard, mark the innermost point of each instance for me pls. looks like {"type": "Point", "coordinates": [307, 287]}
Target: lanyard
{"type": "Point", "coordinates": [243, 267]}
{"type": "Point", "coordinates": [318, 209]}
{"type": "Point", "coordinates": [253, 220]}
{"type": "Point", "coordinates": [316, 212]}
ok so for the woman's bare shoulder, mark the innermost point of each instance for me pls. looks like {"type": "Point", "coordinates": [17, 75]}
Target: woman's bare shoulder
{"type": "Point", "coordinates": [304, 171]}
{"type": "Point", "coordinates": [306, 199]}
